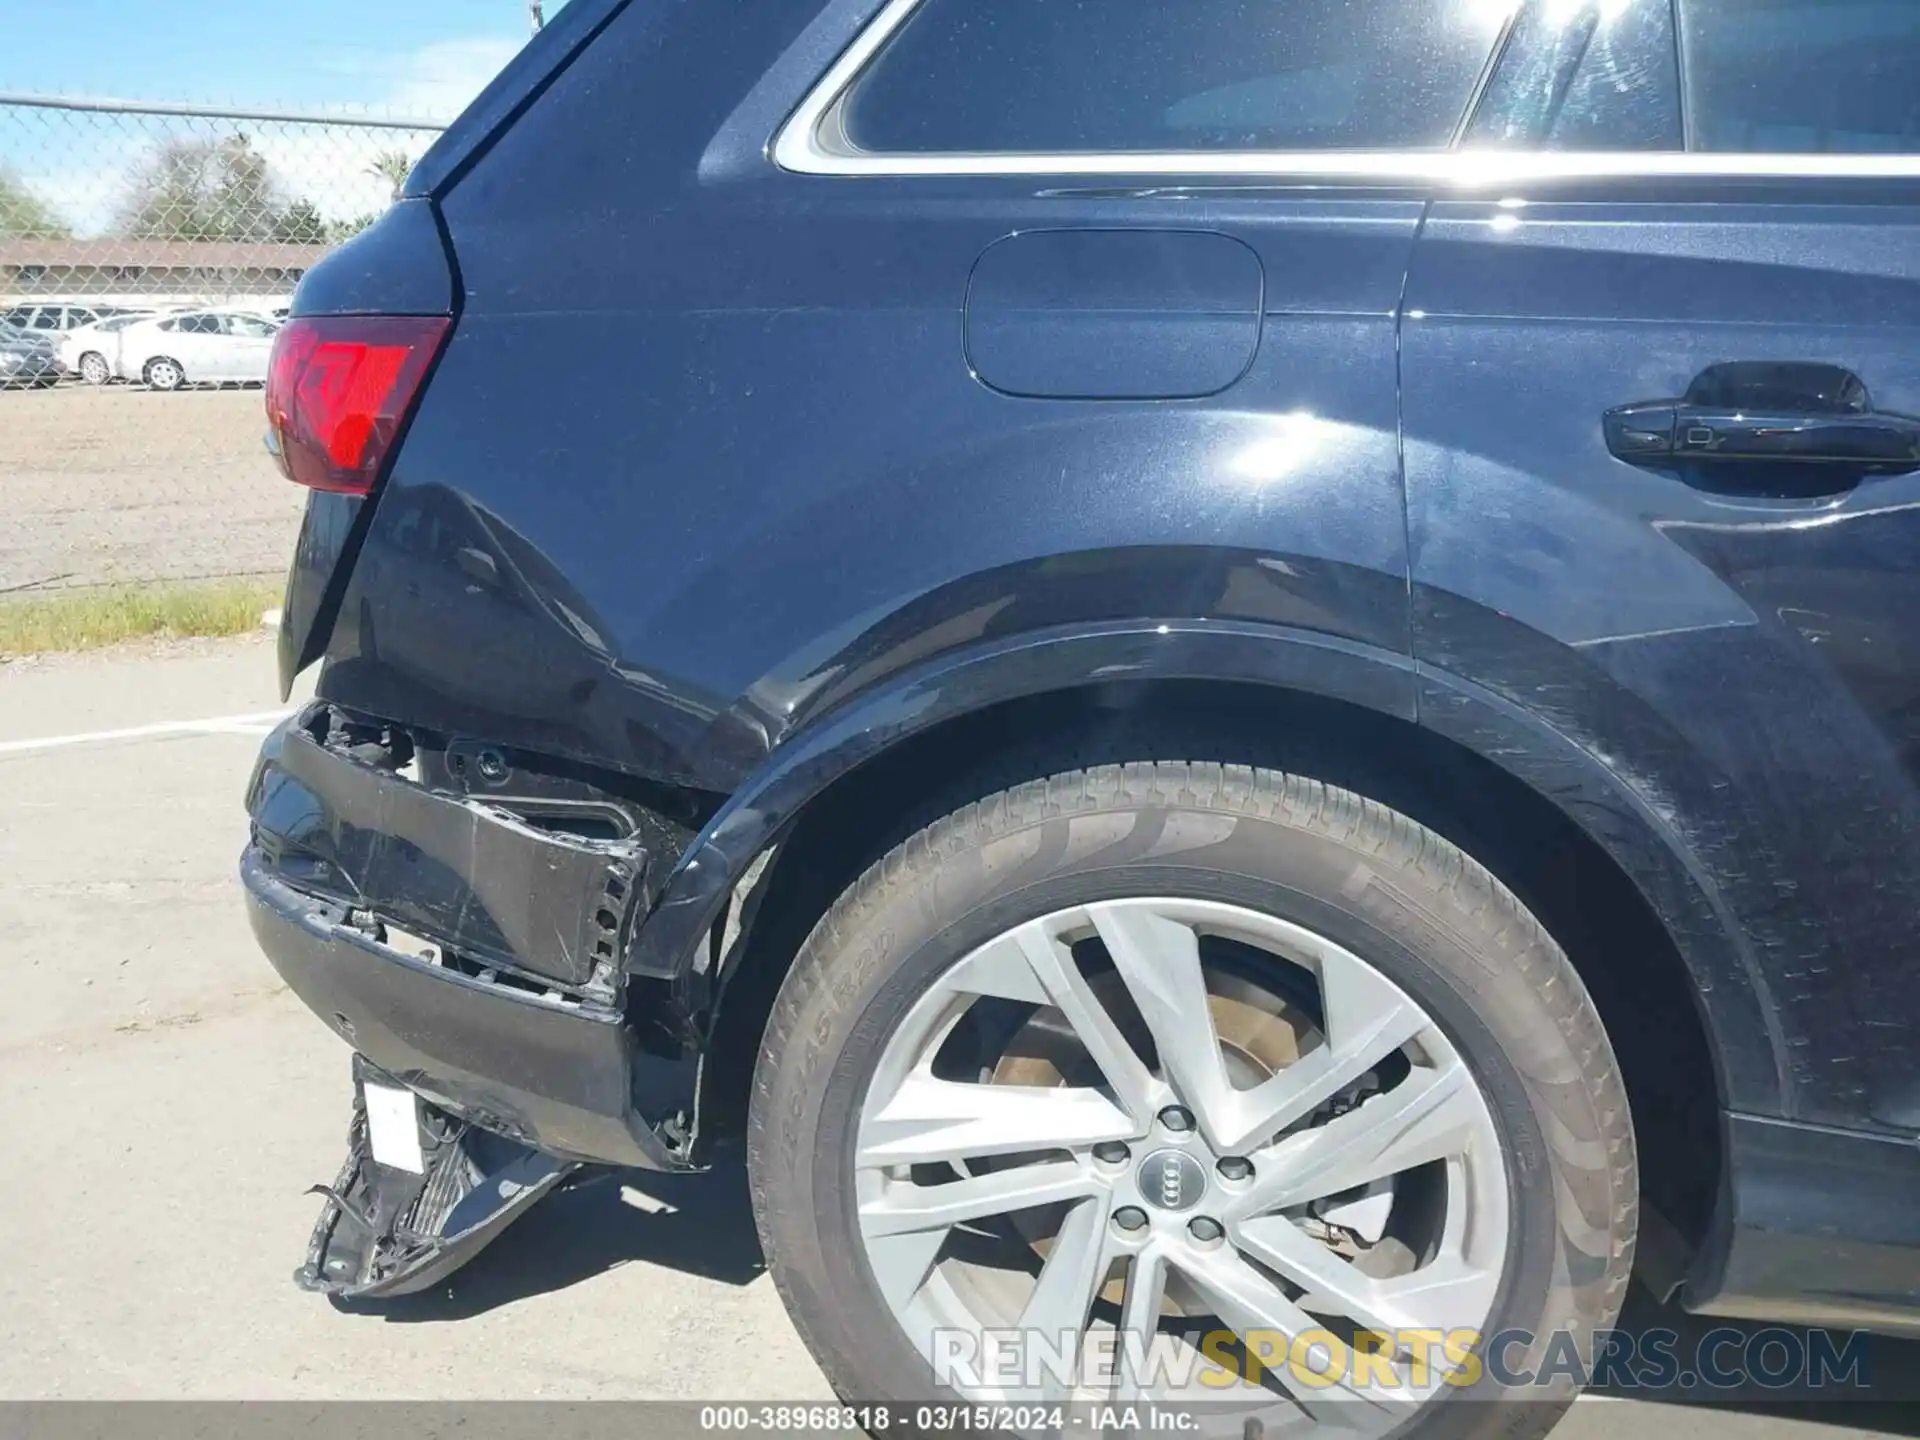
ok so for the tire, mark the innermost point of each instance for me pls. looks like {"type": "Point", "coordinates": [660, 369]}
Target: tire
{"type": "Point", "coordinates": [162, 373]}
{"type": "Point", "coordinates": [94, 368]}
{"type": "Point", "coordinates": [1184, 839]}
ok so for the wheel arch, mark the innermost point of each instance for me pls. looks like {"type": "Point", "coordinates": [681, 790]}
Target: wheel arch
{"type": "Point", "coordinates": [1609, 878]}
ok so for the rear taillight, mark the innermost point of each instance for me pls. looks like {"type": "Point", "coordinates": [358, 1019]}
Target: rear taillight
{"type": "Point", "coordinates": [338, 390]}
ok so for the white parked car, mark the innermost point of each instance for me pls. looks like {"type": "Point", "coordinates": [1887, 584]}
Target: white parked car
{"type": "Point", "coordinates": [56, 317]}
{"type": "Point", "coordinates": [198, 345]}
{"type": "Point", "coordinates": [93, 351]}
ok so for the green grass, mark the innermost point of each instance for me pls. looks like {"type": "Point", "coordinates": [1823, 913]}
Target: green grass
{"type": "Point", "coordinates": [89, 619]}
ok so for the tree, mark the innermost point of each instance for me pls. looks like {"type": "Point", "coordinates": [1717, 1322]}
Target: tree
{"type": "Point", "coordinates": [302, 224]}
{"type": "Point", "coordinates": [341, 231]}
{"type": "Point", "coordinates": [203, 190]}
{"type": "Point", "coordinates": [25, 216]}
{"type": "Point", "coordinates": [392, 166]}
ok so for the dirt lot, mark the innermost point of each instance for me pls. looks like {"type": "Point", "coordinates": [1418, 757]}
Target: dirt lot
{"type": "Point", "coordinates": [120, 483]}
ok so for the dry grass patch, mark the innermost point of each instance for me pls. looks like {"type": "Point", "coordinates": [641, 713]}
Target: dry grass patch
{"type": "Point", "coordinates": [89, 619]}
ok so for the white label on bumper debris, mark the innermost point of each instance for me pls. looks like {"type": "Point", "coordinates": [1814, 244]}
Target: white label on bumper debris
{"type": "Point", "coordinates": [393, 1128]}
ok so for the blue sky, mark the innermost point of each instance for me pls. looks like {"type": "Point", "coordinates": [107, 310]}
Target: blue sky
{"type": "Point", "coordinates": [294, 53]}
{"type": "Point", "coordinates": [407, 58]}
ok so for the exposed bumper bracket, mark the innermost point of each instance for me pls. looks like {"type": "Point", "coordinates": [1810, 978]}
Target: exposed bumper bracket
{"type": "Point", "coordinates": [473, 876]}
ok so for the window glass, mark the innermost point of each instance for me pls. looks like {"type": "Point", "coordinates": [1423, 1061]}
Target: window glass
{"type": "Point", "coordinates": [1069, 76]}
{"type": "Point", "coordinates": [1586, 75]}
{"type": "Point", "coordinates": [248, 326]}
{"type": "Point", "coordinates": [1803, 76]}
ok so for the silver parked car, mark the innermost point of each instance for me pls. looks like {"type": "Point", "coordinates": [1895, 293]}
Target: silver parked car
{"type": "Point", "coordinates": [26, 359]}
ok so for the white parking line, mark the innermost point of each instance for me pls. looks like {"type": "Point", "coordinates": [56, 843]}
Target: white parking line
{"type": "Point", "coordinates": [258, 722]}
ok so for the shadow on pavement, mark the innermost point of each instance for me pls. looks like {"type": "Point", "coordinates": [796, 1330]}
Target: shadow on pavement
{"type": "Point", "coordinates": [1888, 1403]}
{"type": "Point", "coordinates": [700, 1225]}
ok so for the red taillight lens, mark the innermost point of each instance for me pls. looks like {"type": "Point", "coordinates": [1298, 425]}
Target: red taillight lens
{"type": "Point", "coordinates": [339, 388]}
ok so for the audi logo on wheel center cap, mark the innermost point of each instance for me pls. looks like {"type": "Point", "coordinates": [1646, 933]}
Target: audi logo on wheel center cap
{"type": "Point", "coordinates": [1172, 1180]}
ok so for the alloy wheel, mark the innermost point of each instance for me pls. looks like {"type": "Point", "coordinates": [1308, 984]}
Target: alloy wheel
{"type": "Point", "coordinates": [1168, 1119]}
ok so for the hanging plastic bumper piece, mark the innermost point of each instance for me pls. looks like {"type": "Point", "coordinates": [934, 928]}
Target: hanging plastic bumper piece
{"type": "Point", "coordinates": [422, 1192]}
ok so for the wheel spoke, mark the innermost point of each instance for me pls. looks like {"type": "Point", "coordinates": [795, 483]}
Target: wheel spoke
{"type": "Point", "coordinates": [1367, 1019]}
{"type": "Point", "coordinates": [901, 1262]}
{"type": "Point", "coordinates": [1268, 1323]}
{"type": "Point", "coordinates": [1332, 1285]}
{"type": "Point", "coordinates": [929, 1120]}
{"type": "Point", "coordinates": [1052, 964]}
{"type": "Point", "coordinates": [1140, 1306]}
{"type": "Point", "coordinates": [1446, 1295]}
{"type": "Point", "coordinates": [903, 1206]}
{"type": "Point", "coordinates": [904, 1224]}
{"type": "Point", "coordinates": [1159, 961]}
{"type": "Point", "coordinates": [1449, 1295]}
{"type": "Point", "coordinates": [1076, 1265]}
{"type": "Point", "coordinates": [1430, 1115]}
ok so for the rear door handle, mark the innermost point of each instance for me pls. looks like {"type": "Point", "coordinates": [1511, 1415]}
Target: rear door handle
{"type": "Point", "coordinates": [1767, 414]}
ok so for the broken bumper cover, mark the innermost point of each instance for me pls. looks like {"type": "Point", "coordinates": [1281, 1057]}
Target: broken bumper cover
{"type": "Point", "coordinates": [559, 1072]}
{"type": "Point", "coordinates": [387, 1231]}
{"type": "Point", "coordinates": [477, 878]}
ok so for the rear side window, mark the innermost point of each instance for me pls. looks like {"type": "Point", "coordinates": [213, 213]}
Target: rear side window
{"type": "Point", "coordinates": [1803, 76]}
{"type": "Point", "coordinates": [1094, 76]}
{"type": "Point", "coordinates": [1586, 77]}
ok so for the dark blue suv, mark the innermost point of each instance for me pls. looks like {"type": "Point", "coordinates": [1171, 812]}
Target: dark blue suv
{"type": "Point", "coordinates": [1242, 680]}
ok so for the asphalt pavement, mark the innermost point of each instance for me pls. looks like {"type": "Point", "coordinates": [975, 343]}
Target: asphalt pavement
{"type": "Point", "coordinates": [167, 1103]}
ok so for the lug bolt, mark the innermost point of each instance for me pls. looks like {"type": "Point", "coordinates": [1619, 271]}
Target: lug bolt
{"type": "Point", "coordinates": [1205, 1229]}
{"type": "Point", "coordinates": [1177, 1119]}
{"type": "Point", "coordinates": [1111, 1152]}
{"type": "Point", "coordinates": [1235, 1167]}
{"type": "Point", "coordinates": [1130, 1217]}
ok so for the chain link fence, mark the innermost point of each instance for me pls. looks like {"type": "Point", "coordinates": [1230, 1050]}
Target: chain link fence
{"type": "Point", "coordinates": [147, 253]}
